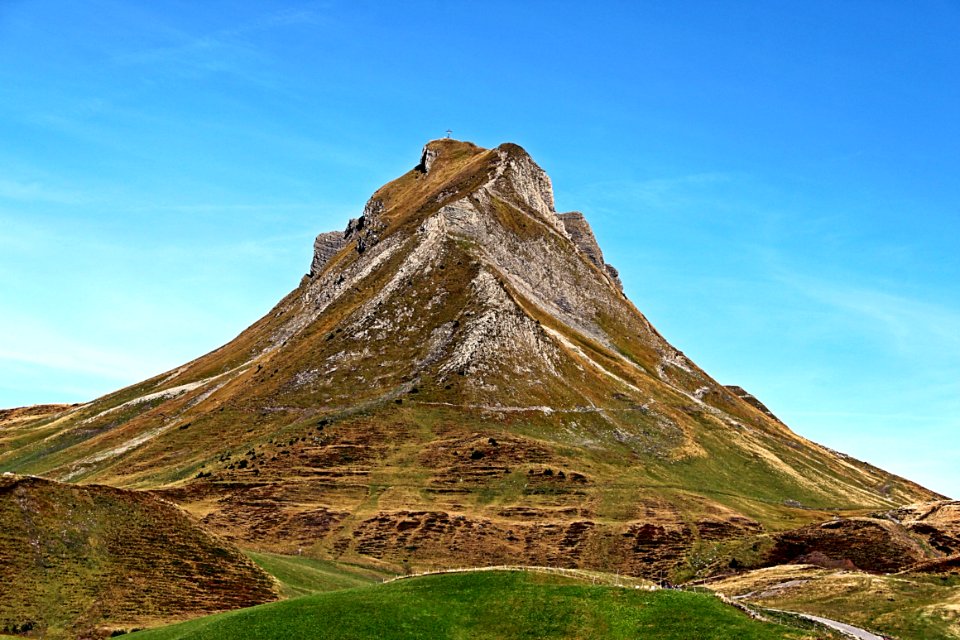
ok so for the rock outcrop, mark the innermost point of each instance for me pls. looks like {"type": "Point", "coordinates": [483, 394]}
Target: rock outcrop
{"type": "Point", "coordinates": [936, 522]}
{"type": "Point", "coordinates": [427, 156]}
{"type": "Point", "coordinates": [752, 400]}
{"type": "Point", "coordinates": [582, 235]}
{"type": "Point", "coordinates": [325, 247]}
{"type": "Point", "coordinates": [363, 231]}
{"type": "Point", "coordinates": [868, 544]}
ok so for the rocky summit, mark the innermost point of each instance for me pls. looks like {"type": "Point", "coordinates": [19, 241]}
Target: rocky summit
{"type": "Point", "coordinates": [458, 380]}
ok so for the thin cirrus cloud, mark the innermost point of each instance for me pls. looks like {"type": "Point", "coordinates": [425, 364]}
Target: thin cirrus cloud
{"type": "Point", "coordinates": [39, 191]}
{"type": "Point", "coordinates": [200, 56]}
{"type": "Point", "coordinates": [24, 340]}
{"type": "Point", "coordinates": [671, 192]}
{"type": "Point", "coordinates": [220, 51]}
{"type": "Point", "coordinates": [915, 327]}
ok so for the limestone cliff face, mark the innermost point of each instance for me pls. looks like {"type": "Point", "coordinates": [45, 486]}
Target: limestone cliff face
{"type": "Point", "coordinates": [582, 235]}
{"type": "Point", "coordinates": [325, 247]}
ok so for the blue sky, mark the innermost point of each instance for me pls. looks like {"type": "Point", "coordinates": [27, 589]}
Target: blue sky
{"type": "Point", "coordinates": [776, 181]}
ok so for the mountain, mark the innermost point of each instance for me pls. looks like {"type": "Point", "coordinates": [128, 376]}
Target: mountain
{"type": "Point", "coordinates": [459, 379]}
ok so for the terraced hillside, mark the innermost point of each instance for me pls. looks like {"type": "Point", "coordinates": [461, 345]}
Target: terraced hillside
{"type": "Point", "coordinates": [921, 539]}
{"type": "Point", "coordinates": [87, 560]}
{"type": "Point", "coordinates": [458, 380]}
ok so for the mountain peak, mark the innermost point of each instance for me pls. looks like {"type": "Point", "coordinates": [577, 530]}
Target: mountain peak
{"type": "Point", "coordinates": [450, 173]}
{"type": "Point", "coordinates": [446, 147]}
{"type": "Point", "coordinates": [450, 160]}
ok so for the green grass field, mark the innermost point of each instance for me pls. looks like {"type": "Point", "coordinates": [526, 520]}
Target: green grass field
{"type": "Point", "coordinates": [300, 575]}
{"type": "Point", "coordinates": [493, 604]}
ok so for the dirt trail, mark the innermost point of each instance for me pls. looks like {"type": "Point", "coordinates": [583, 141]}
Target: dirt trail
{"type": "Point", "coordinates": [855, 632]}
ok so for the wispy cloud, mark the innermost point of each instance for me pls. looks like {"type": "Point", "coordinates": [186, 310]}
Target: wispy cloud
{"type": "Point", "coordinates": [200, 55]}
{"type": "Point", "coordinates": [212, 207]}
{"type": "Point", "coordinates": [26, 341]}
{"type": "Point", "coordinates": [24, 239]}
{"type": "Point", "coordinates": [916, 327]}
{"type": "Point", "coordinates": [38, 191]}
{"type": "Point", "coordinates": [228, 50]}
{"type": "Point", "coordinates": [903, 417]}
{"type": "Point", "coordinates": [665, 192]}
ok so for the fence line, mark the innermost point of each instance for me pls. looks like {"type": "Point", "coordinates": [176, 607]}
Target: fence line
{"type": "Point", "coordinates": [595, 577]}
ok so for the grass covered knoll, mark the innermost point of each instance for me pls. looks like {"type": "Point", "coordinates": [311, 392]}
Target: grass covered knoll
{"type": "Point", "coordinates": [488, 604]}
{"type": "Point", "coordinates": [86, 560]}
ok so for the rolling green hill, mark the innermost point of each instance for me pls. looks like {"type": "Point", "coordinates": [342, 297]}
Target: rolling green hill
{"type": "Point", "coordinates": [491, 604]}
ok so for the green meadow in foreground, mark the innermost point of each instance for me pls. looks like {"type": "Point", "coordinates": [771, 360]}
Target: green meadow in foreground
{"type": "Point", "coordinates": [490, 604]}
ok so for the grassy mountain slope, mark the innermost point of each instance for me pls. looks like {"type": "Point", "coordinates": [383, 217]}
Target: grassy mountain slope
{"type": "Point", "coordinates": [483, 605]}
{"type": "Point", "coordinates": [457, 381]}
{"type": "Point", "coordinates": [87, 559]}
